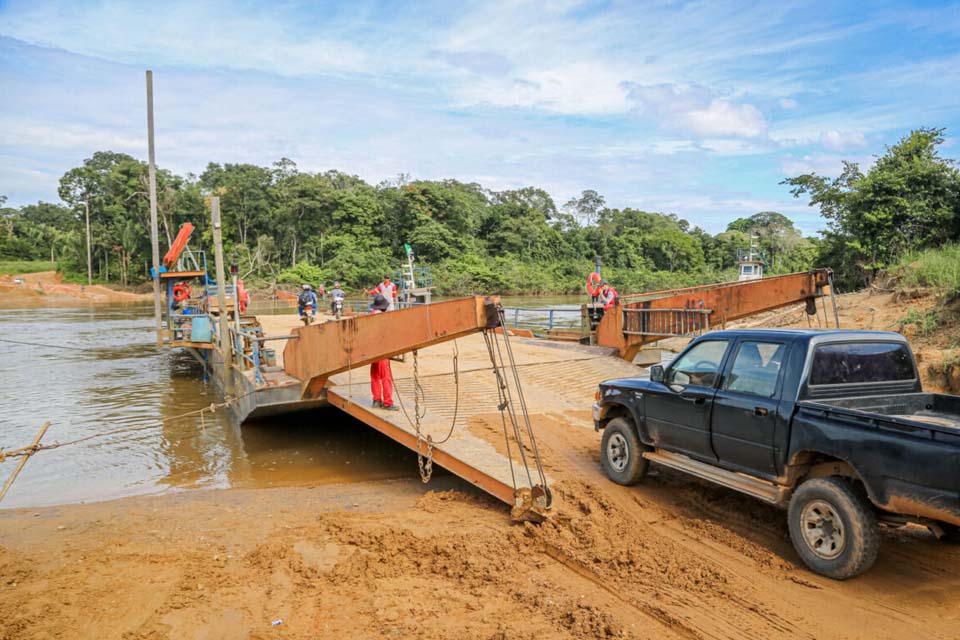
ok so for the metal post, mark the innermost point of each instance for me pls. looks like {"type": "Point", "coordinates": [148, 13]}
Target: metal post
{"type": "Point", "coordinates": [154, 232]}
{"type": "Point", "coordinates": [238, 345]}
{"type": "Point", "coordinates": [236, 301]}
{"type": "Point", "coordinates": [256, 361]}
{"type": "Point", "coordinates": [833, 300]}
{"type": "Point", "coordinates": [226, 348]}
{"type": "Point", "coordinates": [89, 261]}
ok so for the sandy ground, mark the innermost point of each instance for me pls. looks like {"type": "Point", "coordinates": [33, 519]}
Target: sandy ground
{"type": "Point", "coordinates": [46, 289]}
{"type": "Point", "coordinates": [670, 558]}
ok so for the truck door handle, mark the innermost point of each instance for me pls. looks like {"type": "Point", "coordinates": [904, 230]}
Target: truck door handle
{"type": "Point", "coordinates": [695, 399]}
{"type": "Point", "coordinates": [760, 411]}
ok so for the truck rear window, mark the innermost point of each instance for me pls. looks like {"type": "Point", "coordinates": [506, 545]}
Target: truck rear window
{"type": "Point", "coordinates": [859, 362]}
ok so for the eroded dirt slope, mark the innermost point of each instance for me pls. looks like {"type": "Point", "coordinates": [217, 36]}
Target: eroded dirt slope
{"type": "Point", "coordinates": [47, 289]}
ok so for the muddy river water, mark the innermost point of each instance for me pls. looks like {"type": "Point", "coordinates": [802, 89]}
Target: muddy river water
{"type": "Point", "coordinates": [102, 371]}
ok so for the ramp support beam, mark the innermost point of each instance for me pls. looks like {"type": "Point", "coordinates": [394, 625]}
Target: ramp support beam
{"type": "Point", "coordinates": [323, 350]}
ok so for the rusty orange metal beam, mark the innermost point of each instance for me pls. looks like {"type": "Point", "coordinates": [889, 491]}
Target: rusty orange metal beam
{"type": "Point", "coordinates": [491, 485]}
{"type": "Point", "coordinates": [325, 349]}
{"type": "Point", "coordinates": [727, 301]}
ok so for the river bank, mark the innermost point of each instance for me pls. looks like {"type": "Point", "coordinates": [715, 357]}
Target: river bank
{"type": "Point", "coordinates": [47, 289]}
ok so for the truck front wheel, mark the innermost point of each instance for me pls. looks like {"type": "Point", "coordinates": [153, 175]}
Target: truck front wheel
{"type": "Point", "coordinates": [622, 453]}
{"type": "Point", "coordinates": [833, 528]}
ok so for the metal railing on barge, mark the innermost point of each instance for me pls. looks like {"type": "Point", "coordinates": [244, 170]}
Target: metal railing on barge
{"type": "Point", "coordinates": [547, 319]}
{"type": "Point", "coordinates": [666, 322]}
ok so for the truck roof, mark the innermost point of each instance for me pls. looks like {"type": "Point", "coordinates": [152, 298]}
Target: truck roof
{"type": "Point", "coordinates": [811, 335]}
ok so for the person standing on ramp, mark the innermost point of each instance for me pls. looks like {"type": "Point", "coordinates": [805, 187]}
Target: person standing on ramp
{"type": "Point", "coordinates": [381, 377]}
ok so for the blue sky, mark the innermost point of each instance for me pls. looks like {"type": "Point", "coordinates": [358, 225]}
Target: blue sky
{"type": "Point", "coordinates": [693, 108]}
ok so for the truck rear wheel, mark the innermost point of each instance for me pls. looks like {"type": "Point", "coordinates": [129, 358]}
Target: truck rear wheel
{"type": "Point", "coordinates": [833, 528]}
{"type": "Point", "coordinates": [622, 453]}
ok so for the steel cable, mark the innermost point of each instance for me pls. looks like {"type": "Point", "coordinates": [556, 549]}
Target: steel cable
{"type": "Point", "coordinates": [212, 408]}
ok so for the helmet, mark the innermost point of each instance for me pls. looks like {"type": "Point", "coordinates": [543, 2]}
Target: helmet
{"type": "Point", "coordinates": [306, 287]}
{"type": "Point", "coordinates": [380, 303]}
{"type": "Point", "coordinates": [604, 283]}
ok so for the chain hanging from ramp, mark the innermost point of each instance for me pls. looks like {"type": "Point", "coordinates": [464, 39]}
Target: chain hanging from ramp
{"type": "Point", "coordinates": [425, 460]}
{"type": "Point", "coordinates": [531, 502]}
{"type": "Point", "coordinates": [534, 500]}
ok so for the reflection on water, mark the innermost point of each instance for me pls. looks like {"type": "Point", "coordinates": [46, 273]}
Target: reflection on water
{"type": "Point", "coordinates": [121, 379]}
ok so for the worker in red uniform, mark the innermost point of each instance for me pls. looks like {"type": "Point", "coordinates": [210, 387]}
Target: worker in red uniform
{"type": "Point", "coordinates": [381, 377]}
{"type": "Point", "coordinates": [608, 296]}
{"type": "Point", "coordinates": [387, 289]}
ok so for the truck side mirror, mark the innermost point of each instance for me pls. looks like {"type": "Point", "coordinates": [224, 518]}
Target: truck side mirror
{"type": "Point", "coordinates": [656, 373]}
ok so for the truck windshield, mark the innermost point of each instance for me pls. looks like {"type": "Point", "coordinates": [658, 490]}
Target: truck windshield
{"type": "Point", "coordinates": [860, 362]}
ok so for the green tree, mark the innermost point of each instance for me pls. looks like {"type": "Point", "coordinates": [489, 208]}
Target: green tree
{"type": "Point", "coordinates": [586, 207]}
{"type": "Point", "coordinates": [909, 199]}
{"type": "Point", "coordinates": [244, 191]}
{"type": "Point", "coordinates": [783, 246]}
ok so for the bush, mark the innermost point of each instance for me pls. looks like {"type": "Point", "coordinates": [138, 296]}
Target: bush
{"type": "Point", "coordinates": [13, 267]}
{"type": "Point", "coordinates": [303, 273]}
{"type": "Point", "coordinates": [467, 275]}
{"type": "Point", "coordinates": [937, 269]}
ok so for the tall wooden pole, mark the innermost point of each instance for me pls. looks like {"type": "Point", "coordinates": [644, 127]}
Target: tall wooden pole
{"type": "Point", "coordinates": [154, 233]}
{"type": "Point", "coordinates": [226, 347]}
{"type": "Point", "coordinates": [89, 261]}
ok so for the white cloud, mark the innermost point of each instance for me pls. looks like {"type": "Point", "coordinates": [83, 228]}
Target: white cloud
{"type": "Point", "coordinates": [670, 147]}
{"type": "Point", "coordinates": [183, 33]}
{"type": "Point", "coordinates": [21, 180]}
{"type": "Point", "coordinates": [842, 140]}
{"type": "Point", "coordinates": [824, 164]}
{"type": "Point", "coordinates": [67, 136]}
{"type": "Point", "coordinates": [578, 88]}
{"type": "Point", "coordinates": [723, 118]}
{"type": "Point", "coordinates": [808, 128]}
{"type": "Point", "coordinates": [788, 103]}
{"type": "Point", "coordinates": [694, 108]}
{"type": "Point", "coordinates": [738, 146]}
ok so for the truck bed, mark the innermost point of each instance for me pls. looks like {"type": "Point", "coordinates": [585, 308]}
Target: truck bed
{"type": "Point", "coordinates": [933, 411]}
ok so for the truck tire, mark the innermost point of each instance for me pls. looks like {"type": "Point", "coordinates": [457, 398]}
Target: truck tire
{"type": "Point", "coordinates": [833, 528]}
{"type": "Point", "coordinates": [622, 453]}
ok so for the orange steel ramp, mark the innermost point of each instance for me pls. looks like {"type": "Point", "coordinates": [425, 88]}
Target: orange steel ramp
{"type": "Point", "coordinates": [322, 350]}
{"type": "Point", "coordinates": [557, 378]}
{"type": "Point", "coordinates": [649, 317]}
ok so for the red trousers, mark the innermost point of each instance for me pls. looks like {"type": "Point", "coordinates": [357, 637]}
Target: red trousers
{"type": "Point", "coordinates": [381, 382]}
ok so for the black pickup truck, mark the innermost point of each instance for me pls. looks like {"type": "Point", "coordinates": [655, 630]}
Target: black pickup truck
{"type": "Point", "coordinates": [833, 425]}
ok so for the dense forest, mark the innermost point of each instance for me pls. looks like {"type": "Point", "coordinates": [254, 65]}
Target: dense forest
{"type": "Point", "coordinates": [286, 225]}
